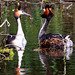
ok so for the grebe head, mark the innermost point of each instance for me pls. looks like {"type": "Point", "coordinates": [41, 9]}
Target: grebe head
{"type": "Point", "coordinates": [47, 11]}
{"type": "Point", "coordinates": [18, 12]}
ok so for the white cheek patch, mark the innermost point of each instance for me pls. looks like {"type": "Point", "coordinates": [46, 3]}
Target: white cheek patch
{"type": "Point", "coordinates": [20, 12]}
{"type": "Point", "coordinates": [44, 9]}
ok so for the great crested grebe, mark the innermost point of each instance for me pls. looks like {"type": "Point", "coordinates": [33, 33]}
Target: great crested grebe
{"type": "Point", "coordinates": [17, 41]}
{"type": "Point", "coordinates": [52, 40]}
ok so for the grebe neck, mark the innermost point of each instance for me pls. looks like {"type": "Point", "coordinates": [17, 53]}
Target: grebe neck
{"type": "Point", "coordinates": [20, 31]}
{"type": "Point", "coordinates": [44, 27]}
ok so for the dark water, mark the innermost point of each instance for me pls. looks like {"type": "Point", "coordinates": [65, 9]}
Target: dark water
{"type": "Point", "coordinates": [33, 62]}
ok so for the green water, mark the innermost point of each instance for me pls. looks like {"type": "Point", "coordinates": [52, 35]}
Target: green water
{"type": "Point", "coordinates": [37, 62]}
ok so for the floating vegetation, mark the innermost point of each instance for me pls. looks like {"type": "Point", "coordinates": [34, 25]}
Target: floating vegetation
{"type": "Point", "coordinates": [6, 54]}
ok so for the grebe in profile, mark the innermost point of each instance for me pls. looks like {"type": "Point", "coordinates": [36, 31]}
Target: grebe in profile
{"type": "Point", "coordinates": [52, 40]}
{"type": "Point", "coordinates": [18, 41]}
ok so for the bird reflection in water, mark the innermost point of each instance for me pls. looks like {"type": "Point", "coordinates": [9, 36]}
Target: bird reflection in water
{"type": "Point", "coordinates": [20, 70]}
{"type": "Point", "coordinates": [53, 60]}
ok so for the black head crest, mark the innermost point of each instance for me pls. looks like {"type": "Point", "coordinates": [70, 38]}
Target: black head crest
{"type": "Point", "coordinates": [19, 7]}
{"type": "Point", "coordinates": [51, 6]}
{"type": "Point", "coordinates": [47, 6]}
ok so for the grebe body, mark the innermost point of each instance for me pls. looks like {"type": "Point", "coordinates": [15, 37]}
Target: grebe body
{"type": "Point", "coordinates": [52, 40]}
{"type": "Point", "coordinates": [18, 40]}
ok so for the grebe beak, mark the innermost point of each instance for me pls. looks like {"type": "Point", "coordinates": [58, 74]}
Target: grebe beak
{"type": "Point", "coordinates": [26, 14]}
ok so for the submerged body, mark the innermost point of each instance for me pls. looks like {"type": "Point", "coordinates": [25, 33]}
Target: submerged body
{"type": "Point", "coordinates": [51, 40]}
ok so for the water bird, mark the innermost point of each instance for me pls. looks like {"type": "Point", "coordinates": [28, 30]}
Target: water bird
{"type": "Point", "coordinates": [18, 40]}
{"type": "Point", "coordinates": [52, 40]}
